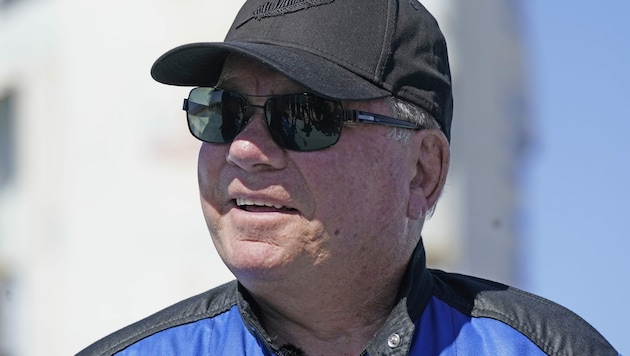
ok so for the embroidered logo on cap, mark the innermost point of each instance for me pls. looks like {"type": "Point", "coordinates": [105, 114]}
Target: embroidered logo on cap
{"type": "Point", "coordinates": [281, 7]}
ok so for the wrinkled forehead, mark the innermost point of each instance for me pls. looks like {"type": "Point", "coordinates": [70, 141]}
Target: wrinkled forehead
{"type": "Point", "coordinates": [250, 76]}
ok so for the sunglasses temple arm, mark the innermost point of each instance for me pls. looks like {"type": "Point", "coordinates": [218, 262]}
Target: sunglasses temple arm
{"type": "Point", "coordinates": [370, 118]}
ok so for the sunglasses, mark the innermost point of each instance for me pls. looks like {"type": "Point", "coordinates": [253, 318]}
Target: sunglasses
{"type": "Point", "coordinates": [296, 122]}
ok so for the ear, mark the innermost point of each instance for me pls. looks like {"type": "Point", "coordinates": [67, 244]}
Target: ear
{"type": "Point", "coordinates": [432, 159]}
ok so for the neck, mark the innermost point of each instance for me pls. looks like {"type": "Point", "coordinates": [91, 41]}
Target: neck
{"type": "Point", "coordinates": [339, 316]}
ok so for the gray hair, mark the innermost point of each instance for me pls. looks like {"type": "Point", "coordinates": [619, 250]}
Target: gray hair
{"type": "Point", "coordinates": [407, 111]}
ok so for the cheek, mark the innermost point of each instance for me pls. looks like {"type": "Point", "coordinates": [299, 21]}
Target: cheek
{"type": "Point", "coordinates": [211, 159]}
{"type": "Point", "coordinates": [359, 196]}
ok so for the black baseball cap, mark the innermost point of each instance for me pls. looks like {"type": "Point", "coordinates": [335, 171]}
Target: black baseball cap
{"type": "Point", "coordinates": [339, 49]}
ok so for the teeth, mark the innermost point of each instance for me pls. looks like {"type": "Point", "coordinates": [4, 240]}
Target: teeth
{"type": "Point", "coordinates": [243, 202]}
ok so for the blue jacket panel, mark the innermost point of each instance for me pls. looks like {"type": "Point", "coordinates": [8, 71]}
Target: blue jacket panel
{"type": "Point", "coordinates": [445, 331]}
{"type": "Point", "coordinates": [224, 334]}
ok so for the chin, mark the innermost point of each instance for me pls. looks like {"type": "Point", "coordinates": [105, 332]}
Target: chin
{"type": "Point", "coordinates": [255, 259]}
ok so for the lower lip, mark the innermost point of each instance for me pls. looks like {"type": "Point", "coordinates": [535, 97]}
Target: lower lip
{"type": "Point", "coordinates": [260, 217]}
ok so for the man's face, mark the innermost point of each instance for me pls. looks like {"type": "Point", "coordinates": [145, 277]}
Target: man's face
{"type": "Point", "coordinates": [275, 214]}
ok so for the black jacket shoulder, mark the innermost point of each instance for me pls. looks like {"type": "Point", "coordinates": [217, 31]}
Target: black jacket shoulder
{"type": "Point", "coordinates": [204, 305]}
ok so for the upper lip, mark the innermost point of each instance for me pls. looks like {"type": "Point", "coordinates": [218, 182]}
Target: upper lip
{"type": "Point", "coordinates": [242, 193]}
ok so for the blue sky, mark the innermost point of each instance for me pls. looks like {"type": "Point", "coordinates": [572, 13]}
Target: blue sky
{"type": "Point", "coordinates": [577, 194]}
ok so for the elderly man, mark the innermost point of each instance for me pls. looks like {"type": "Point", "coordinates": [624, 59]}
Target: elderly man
{"type": "Point", "coordinates": [326, 127]}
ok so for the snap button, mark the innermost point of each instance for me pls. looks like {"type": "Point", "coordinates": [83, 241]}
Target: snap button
{"type": "Point", "coordinates": [393, 341]}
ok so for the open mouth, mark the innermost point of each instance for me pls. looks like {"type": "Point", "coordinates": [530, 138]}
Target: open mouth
{"type": "Point", "coordinates": [260, 206]}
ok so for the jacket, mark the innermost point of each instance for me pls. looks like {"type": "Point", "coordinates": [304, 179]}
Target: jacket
{"type": "Point", "coordinates": [437, 313]}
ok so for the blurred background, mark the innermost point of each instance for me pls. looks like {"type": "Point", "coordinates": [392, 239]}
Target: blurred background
{"type": "Point", "coordinates": [100, 223]}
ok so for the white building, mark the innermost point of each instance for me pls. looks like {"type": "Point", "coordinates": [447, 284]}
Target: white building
{"type": "Point", "coordinates": [476, 227]}
{"type": "Point", "coordinates": [99, 216]}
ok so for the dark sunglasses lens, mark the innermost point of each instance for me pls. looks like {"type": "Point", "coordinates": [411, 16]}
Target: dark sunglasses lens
{"type": "Point", "coordinates": [304, 122]}
{"type": "Point", "coordinates": [214, 115]}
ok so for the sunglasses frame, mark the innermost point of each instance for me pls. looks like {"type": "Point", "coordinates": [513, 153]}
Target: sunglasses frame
{"type": "Point", "coordinates": [352, 116]}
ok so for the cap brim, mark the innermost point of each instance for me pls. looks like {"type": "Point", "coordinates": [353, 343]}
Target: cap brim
{"type": "Point", "coordinates": [200, 64]}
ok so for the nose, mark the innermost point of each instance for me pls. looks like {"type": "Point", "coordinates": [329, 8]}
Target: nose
{"type": "Point", "coordinates": [254, 149]}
